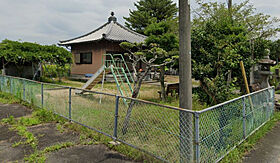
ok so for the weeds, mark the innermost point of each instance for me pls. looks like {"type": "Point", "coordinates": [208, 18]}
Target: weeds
{"type": "Point", "coordinates": [60, 128]}
{"type": "Point", "coordinates": [11, 120]}
{"type": "Point", "coordinates": [6, 98]}
{"type": "Point", "coordinates": [39, 156]}
{"type": "Point", "coordinates": [30, 138]}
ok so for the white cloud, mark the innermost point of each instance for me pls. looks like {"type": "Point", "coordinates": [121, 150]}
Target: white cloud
{"type": "Point", "coordinates": [47, 22]}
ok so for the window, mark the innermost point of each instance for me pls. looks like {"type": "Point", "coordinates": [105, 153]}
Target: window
{"type": "Point", "coordinates": [84, 58]}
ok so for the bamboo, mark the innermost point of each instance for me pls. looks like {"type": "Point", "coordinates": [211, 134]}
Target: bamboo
{"type": "Point", "coordinates": [246, 83]}
{"type": "Point", "coordinates": [244, 77]}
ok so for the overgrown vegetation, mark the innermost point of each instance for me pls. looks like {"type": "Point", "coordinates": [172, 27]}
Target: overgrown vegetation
{"type": "Point", "coordinates": [274, 81]}
{"type": "Point", "coordinates": [221, 39]}
{"type": "Point", "coordinates": [26, 53]}
{"type": "Point", "coordinates": [6, 98]}
{"type": "Point", "coordinates": [52, 71]}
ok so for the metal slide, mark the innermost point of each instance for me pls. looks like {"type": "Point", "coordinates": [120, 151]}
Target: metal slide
{"type": "Point", "coordinates": [96, 78]}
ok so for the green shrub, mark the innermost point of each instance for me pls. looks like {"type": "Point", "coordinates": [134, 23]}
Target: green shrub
{"type": "Point", "coordinates": [54, 71]}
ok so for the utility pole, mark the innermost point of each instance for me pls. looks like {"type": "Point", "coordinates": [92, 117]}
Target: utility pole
{"type": "Point", "coordinates": [185, 93]}
{"type": "Point", "coordinates": [230, 7]}
{"type": "Point", "coordinates": [229, 4]}
{"type": "Point", "coordinates": [231, 20]}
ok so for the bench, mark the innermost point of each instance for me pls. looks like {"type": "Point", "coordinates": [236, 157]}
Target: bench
{"type": "Point", "coordinates": [171, 88]}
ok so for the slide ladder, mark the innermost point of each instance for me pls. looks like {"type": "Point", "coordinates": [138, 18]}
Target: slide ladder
{"type": "Point", "coordinates": [116, 65]}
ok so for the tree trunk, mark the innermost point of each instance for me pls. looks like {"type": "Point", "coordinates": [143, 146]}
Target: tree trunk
{"type": "Point", "coordinates": [162, 86]}
{"type": "Point", "coordinates": [204, 86]}
{"type": "Point", "coordinates": [134, 95]}
{"type": "Point", "coordinates": [59, 74]}
{"type": "Point", "coordinates": [229, 79]}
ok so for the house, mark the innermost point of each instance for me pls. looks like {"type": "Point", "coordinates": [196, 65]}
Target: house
{"type": "Point", "coordinates": [88, 50]}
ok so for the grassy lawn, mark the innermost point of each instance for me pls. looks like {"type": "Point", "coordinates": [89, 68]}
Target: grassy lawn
{"type": "Point", "coordinates": [148, 92]}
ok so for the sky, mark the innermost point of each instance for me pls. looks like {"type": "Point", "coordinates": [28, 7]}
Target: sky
{"type": "Point", "coordinates": [48, 21]}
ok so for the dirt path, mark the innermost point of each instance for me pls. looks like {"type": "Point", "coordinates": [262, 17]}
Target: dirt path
{"type": "Point", "coordinates": [48, 135]}
{"type": "Point", "coordinates": [268, 148]}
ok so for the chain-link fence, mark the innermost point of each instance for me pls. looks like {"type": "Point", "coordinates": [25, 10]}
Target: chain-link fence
{"type": "Point", "coordinates": [168, 133]}
{"type": "Point", "coordinates": [224, 126]}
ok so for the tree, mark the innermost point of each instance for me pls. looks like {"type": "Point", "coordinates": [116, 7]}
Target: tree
{"type": "Point", "coordinates": [148, 55]}
{"type": "Point", "coordinates": [21, 53]}
{"type": "Point", "coordinates": [156, 19]}
{"type": "Point", "coordinates": [161, 34]}
{"type": "Point", "coordinates": [275, 50]}
{"type": "Point", "coordinates": [220, 41]}
{"type": "Point", "coordinates": [148, 12]}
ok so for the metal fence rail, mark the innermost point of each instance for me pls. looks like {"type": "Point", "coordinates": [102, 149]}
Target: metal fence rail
{"type": "Point", "coordinates": [168, 133]}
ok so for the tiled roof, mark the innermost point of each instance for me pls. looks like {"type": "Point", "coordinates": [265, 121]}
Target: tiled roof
{"type": "Point", "coordinates": [112, 31]}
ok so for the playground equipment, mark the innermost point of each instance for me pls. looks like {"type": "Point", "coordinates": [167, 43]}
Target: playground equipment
{"type": "Point", "coordinates": [116, 65]}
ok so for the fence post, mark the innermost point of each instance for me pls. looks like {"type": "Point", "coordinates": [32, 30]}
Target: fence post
{"type": "Point", "coordinates": [1, 83]}
{"type": "Point", "coordinates": [273, 99]}
{"type": "Point", "coordinates": [116, 117]}
{"type": "Point", "coordinates": [270, 108]}
{"type": "Point", "coordinates": [11, 86]}
{"type": "Point", "coordinates": [70, 103]}
{"type": "Point", "coordinates": [244, 117]}
{"type": "Point", "coordinates": [2, 78]}
{"type": "Point", "coordinates": [42, 94]}
{"type": "Point", "coordinates": [197, 137]}
{"type": "Point", "coordinates": [23, 85]}
{"type": "Point", "coordinates": [267, 107]}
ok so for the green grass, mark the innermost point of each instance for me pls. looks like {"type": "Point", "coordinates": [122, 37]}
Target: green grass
{"type": "Point", "coordinates": [63, 82]}
{"type": "Point", "coordinates": [238, 153]}
{"type": "Point", "coordinates": [174, 101]}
